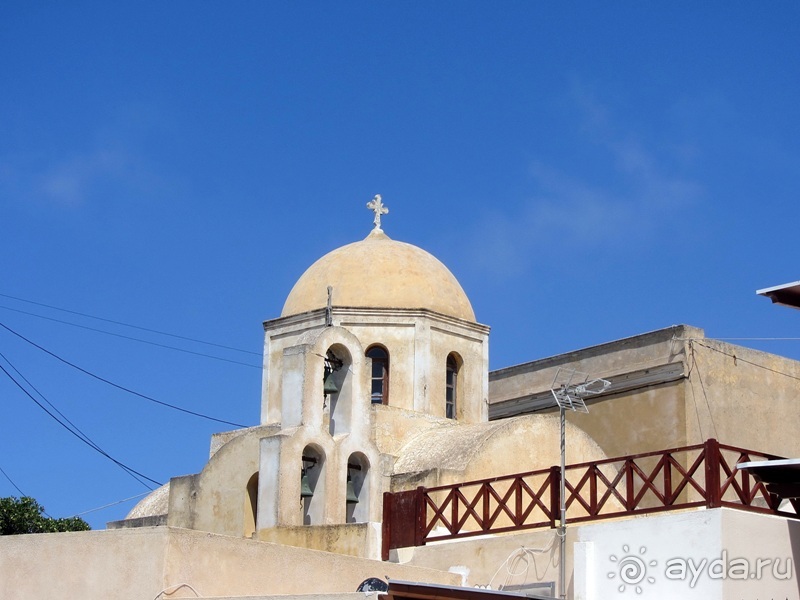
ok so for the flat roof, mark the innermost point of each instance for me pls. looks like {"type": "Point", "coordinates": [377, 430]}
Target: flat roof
{"type": "Point", "coordinates": [787, 294]}
{"type": "Point", "coordinates": [782, 477]}
{"type": "Point", "coordinates": [408, 590]}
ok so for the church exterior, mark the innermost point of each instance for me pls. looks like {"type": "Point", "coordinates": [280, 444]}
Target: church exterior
{"type": "Point", "coordinates": [376, 381]}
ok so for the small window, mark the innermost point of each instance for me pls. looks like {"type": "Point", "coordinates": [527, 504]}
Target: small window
{"type": "Point", "coordinates": [379, 390]}
{"type": "Point", "coordinates": [450, 387]}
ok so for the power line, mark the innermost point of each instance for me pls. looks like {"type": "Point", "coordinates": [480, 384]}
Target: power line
{"type": "Point", "coordinates": [744, 360]}
{"type": "Point", "coordinates": [88, 316]}
{"type": "Point", "coordinates": [62, 415]}
{"type": "Point", "coordinates": [754, 339]}
{"type": "Point", "coordinates": [127, 337]}
{"type": "Point", "coordinates": [696, 368]}
{"type": "Point", "coordinates": [21, 493]}
{"type": "Point", "coordinates": [91, 510]}
{"type": "Point", "coordinates": [116, 385]}
{"type": "Point", "coordinates": [11, 481]}
{"type": "Point", "coordinates": [85, 441]}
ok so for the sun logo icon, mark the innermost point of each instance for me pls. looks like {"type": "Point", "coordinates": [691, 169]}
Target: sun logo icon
{"type": "Point", "coordinates": [632, 569]}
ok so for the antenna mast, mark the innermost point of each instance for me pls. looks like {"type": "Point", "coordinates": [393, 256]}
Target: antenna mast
{"type": "Point", "coordinates": [569, 389]}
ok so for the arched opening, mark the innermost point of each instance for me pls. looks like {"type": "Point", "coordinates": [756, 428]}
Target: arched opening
{"type": "Point", "coordinates": [312, 485]}
{"type": "Point", "coordinates": [250, 506]}
{"type": "Point", "coordinates": [357, 490]}
{"type": "Point", "coordinates": [451, 386]}
{"type": "Point", "coordinates": [338, 385]}
{"type": "Point", "coordinates": [379, 388]}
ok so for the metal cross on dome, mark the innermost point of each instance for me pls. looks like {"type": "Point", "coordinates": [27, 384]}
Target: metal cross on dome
{"type": "Point", "coordinates": [376, 206]}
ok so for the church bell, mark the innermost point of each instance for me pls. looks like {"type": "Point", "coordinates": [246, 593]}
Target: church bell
{"type": "Point", "coordinates": [305, 489]}
{"type": "Point", "coordinates": [330, 385]}
{"type": "Point", "coordinates": [351, 493]}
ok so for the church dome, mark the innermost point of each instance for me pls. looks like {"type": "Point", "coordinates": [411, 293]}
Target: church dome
{"type": "Point", "coordinates": [379, 272]}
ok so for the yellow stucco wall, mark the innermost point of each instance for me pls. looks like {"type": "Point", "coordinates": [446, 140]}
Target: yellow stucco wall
{"type": "Point", "coordinates": [132, 564]}
{"type": "Point", "coordinates": [740, 396]}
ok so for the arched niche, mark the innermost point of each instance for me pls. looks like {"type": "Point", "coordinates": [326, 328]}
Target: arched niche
{"type": "Point", "coordinates": [357, 480]}
{"type": "Point", "coordinates": [250, 506]}
{"type": "Point", "coordinates": [312, 485]}
{"type": "Point", "coordinates": [338, 374]}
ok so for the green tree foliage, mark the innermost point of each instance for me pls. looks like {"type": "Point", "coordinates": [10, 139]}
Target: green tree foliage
{"type": "Point", "coordinates": [26, 515]}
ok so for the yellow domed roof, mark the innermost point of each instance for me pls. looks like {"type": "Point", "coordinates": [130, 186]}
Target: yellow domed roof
{"type": "Point", "coordinates": [379, 272]}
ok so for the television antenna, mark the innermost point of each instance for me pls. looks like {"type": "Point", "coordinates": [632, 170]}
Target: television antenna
{"type": "Point", "coordinates": [569, 389]}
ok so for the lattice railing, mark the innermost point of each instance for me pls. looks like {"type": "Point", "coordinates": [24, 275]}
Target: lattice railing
{"type": "Point", "coordinates": [494, 505]}
{"type": "Point", "coordinates": [679, 478]}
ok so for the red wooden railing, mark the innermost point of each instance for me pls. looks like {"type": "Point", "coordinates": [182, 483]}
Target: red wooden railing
{"type": "Point", "coordinates": [691, 476]}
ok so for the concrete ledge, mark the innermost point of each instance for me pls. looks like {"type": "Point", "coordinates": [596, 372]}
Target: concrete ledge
{"type": "Point", "coordinates": [353, 539]}
{"type": "Point", "coordinates": [152, 521]}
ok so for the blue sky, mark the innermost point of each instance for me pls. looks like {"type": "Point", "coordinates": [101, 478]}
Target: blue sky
{"type": "Point", "coordinates": [588, 171]}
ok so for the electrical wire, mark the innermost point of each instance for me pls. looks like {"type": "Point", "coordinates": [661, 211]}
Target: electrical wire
{"type": "Point", "coordinates": [756, 339]}
{"type": "Point", "coordinates": [168, 591]}
{"type": "Point", "coordinates": [89, 443]}
{"type": "Point", "coordinates": [62, 415]}
{"type": "Point", "coordinates": [21, 493]}
{"type": "Point", "coordinates": [517, 556]}
{"type": "Point", "coordinates": [11, 481]}
{"type": "Point", "coordinates": [696, 368]}
{"type": "Point", "coordinates": [91, 510]}
{"type": "Point", "coordinates": [127, 337]}
{"type": "Point", "coordinates": [88, 316]}
{"type": "Point", "coordinates": [116, 385]}
{"type": "Point", "coordinates": [35, 389]}
{"type": "Point", "coordinates": [692, 366]}
{"type": "Point", "coordinates": [744, 360]}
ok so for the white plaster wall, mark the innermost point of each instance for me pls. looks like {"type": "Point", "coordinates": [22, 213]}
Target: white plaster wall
{"type": "Point", "coordinates": [498, 562]}
{"type": "Point", "coordinates": [280, 334]}
{"type": "Point", "coordinates": [398, 339]}
{"type": "Point", "coordinates": [764, 538]}
{"type": "Point", "coordinates": [418, 342]}
{"type": "Point", "coordinates": [703, 554]}
{"type": "Point", "coordinates": [473, 375]}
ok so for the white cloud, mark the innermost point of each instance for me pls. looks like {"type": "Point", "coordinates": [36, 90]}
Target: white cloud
{"type": "Point", "coordinates": [106, 163]}
{"type": "Point", "coordinates": [638, 195]}
{"type": "Point", "coordinates": [72, 180]}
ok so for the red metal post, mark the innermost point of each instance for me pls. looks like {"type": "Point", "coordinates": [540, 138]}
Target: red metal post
{"type": "Point", "coordinates": [630, 495]}
{"type": "Point", "coordinates": [421, 510]}
{"type": "Point", "coordinates": [746, 489]}
{"type": "Point", "coordinates": [485, 517]}
{"type": "Point", "coordinates": [713, 492]}
{"type": "Point", "coordinates": [667, 479]}
{"type": "Point", "coordinates": [386, 527]}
